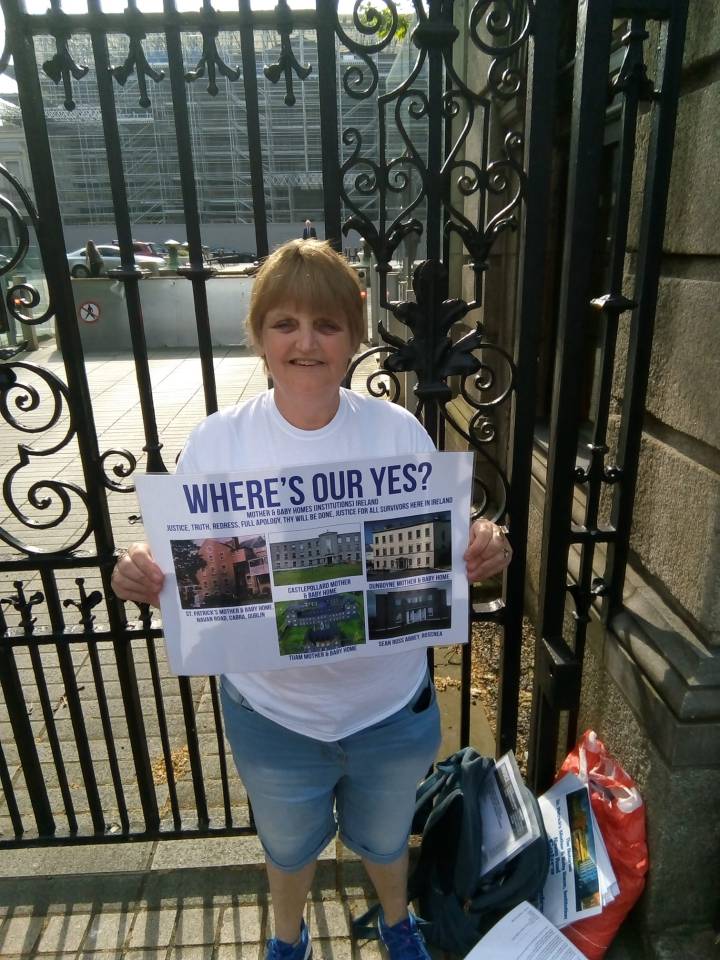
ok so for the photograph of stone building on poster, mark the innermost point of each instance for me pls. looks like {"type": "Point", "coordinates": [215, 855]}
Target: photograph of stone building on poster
{"type": "Point", "coordinates": [221, 572]}
{"type": "Point", "coordinates": [395, 613]}
{"type": "Point", "coordinates": [408, 546]}
{"type": "Point", "coordinates": [325, 555]}
{"type": "Point", "coordinates": [320, 623]}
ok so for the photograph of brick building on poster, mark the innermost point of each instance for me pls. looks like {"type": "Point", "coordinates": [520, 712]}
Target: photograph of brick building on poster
{"type": "Point", "coordinates": [408, 546]}
{"type": "Point", "coordinates": [221, 572]}
{"type": "Point", "coordinates": [316, 555]}
{"type": "Point", "coordinates": [395, 613]}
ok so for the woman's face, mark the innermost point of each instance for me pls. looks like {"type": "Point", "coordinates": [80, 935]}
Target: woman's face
{"type": "Point", "coordinates": [306, 352]}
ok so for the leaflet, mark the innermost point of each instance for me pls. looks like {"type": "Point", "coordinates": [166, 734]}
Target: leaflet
{"type": "Point", "coordinates": [580, 880]}
{"type": "Point", "coordinates": [509, 824]}
{"type": "Point", "coordinates": [294, 566]}
{"type": "Point", "coordinates": [524, 934]}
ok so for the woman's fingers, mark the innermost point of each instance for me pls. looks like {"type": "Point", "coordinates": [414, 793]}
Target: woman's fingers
{"type": "Point", "coordinates": [488, 552]}
{"type": "Point", "coordinates": [136, 576]}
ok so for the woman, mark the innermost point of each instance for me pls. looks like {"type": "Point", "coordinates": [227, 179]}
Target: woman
{"type": "Point", "coordinates": [332, 747]}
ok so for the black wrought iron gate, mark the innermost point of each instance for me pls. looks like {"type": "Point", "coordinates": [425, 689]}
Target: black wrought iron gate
{"type": "Point", "coordinates": [477, 172]}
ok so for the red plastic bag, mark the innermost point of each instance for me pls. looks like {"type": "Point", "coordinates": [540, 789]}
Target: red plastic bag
{"type": "Point", "coordinates": [620, 814]}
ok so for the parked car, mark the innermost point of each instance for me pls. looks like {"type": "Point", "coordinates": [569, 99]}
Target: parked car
{"type": "Point", "coordinates": [229, 258]}
{"type": "Point", "coordinates": [111, 259]}
{"type": "Point", "coordinates": [147, 248]}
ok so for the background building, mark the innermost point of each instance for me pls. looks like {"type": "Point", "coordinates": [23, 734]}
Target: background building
{"type": "Point", "coordinates": [290, 142]}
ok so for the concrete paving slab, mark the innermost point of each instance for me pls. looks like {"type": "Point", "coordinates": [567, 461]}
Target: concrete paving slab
{"type": "Point", "coordinates": [219, 886]}
{"type": "Point", "coordinates": [212, 851]}
{"type": "Point", "coordinates": [242, 924]}
{"type": "Point", "coordinates": [328, 918]}
{"type": "Point", "coordinates": [59, 895]}
{"type": "Point", "coordinates": [242, 951]}
{"type": "Point", "coordinates": [158, 954]}
{"type": "Point", "coordinates": [197, 925]}
{"type": "Point", "coordinates": [332, 949]}
{"type": "Point", "coordinates": [19, 934]}
{"type": "Point", "coordinates": [107, 931]}
{"type": "Point", "coordinates": [81, 859]}
{"type": "Point", "coordinates": [64, 932]}
{"type": "Point", "coordinates": [153, 928]}
{"type": "Point", "coordinates": [202, 952]}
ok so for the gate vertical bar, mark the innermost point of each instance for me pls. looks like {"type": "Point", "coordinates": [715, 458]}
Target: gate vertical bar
{"type": "Point", "coordinates": [129, 273]}
{"type": "Point", "coordinates": [539, 115]}
{"type": "Point", "coordinates": [649, 259]}
{"type": "Point", "coordinates": [252, 112]}
{"type": "Point", "coordinates": [195, 272]}
{"type": "Point", "coordinates": [327, 76]}
{"type": "Point", "coordinates": [22, 730]}
{"type": "Point", "coordinates": [556, 685]}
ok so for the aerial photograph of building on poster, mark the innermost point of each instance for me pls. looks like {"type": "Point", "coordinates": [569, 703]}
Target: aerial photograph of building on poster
{"type": "Point", "coordinates": [408, 546]}
{"type": "Point", "coordinates": [320, 623]}
{"type": "Point", "coordinates": [325, 555]}
{"type": "Point", "coordinates": [395, 613]}
{"type": "Point", "coordinates": [221, 572]}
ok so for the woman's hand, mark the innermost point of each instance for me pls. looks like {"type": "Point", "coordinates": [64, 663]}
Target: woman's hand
{"type": "Point", "coordinates": [137, 577]}
{"type": "Point", "coordinates": [488, 551]}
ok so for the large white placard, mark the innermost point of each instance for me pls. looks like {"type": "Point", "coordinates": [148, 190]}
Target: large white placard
{"type": "Point", "coordinates": [285, 567]}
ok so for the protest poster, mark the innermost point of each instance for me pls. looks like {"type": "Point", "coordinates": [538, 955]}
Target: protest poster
{"type": "Point", "coordinates": [287, 567]}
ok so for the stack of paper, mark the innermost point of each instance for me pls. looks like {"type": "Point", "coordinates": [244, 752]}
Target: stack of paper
{"type": "Point", "coordinates": [524, 934]}
{"type": "Point", "coordinates": [508, 823]}
{"type": "Point", "coordinates": [581, 880]}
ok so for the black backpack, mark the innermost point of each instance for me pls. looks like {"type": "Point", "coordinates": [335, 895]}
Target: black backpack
{"type": "Point", "coordinates": [455, 907]}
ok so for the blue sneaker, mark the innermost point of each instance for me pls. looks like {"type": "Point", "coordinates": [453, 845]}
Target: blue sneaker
{"type": "Point", "coordinates": [279, 950]}
{"type": "Point", "coordinates": [403, 941]}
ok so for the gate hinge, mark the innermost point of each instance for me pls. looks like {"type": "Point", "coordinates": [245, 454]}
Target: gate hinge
{"type": "Point", "coordinates": [558, 673]}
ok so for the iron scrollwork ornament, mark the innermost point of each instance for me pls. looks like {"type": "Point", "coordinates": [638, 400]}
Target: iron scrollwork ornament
{"type": "Point", "coordinates": [51, 497]}
{"type": "Point", "coordinates": [23, 605]}
{"type": "Point", "coordinates": [211, 59]}
{"type": "Point", "coordinates": [136, 61]}
{"type": "Point", "coordinates": [63, 66]}
{"type": "Point", "coordinates": [288, 62]}
{"type": "Point", "coordinates": [440, 175]}
{"type": "Point", "coordinates": [85, 604]}
{"type": "Point", "coordinates": [20, 296]}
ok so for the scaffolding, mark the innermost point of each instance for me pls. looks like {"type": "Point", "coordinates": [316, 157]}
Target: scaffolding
{"type": "Point", "coordinates": [290, 135]}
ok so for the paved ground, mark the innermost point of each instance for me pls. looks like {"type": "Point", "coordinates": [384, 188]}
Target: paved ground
{"type": "Point", "coordinates": [171, 899]}
{"type": "Point", "coordinates": [180, 900]}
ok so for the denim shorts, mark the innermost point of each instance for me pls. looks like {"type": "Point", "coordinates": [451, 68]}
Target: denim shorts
{"type": "Point", "coordinates": [304, 790]}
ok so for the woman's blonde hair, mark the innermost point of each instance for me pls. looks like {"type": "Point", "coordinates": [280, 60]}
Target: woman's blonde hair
{"type": "Point", "coordinates": [311, 275]}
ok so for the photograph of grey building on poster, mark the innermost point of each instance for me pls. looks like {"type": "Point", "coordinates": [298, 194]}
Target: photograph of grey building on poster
{"type": "Point", "coordinates": [221, 572]}
{"type": "Point", "coordinates": [408, 546]}
{"type": "Point", "coordinates": [395, 613]}
{"type": "Point", "coordinates": [320, 623]}
{"type": "Point", "coordinates": [319, 555]}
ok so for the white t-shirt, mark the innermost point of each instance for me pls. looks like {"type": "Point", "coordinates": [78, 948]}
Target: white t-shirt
{"type": "Point", "coordinates": [327, 702]}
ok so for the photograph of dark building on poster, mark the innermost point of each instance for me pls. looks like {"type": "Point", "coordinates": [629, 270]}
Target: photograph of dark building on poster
{"type": "Point", "coordinates": [399, 612]}
{"type": "Point", "coordinates": [222, 572]}
{"type": "Point", "coordinates": [321, 556]}
{"type": "Point", "coordinates": [321, 623]}
{"type": "Point", "coordinates": [408, 546]}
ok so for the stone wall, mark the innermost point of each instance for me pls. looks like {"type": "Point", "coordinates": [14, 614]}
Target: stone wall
{"type": "Point", "coordinates": [651, 685]}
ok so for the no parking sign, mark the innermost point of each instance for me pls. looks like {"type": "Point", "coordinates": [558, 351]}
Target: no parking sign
{"type": "Point", "coordinates": [89, 311]}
